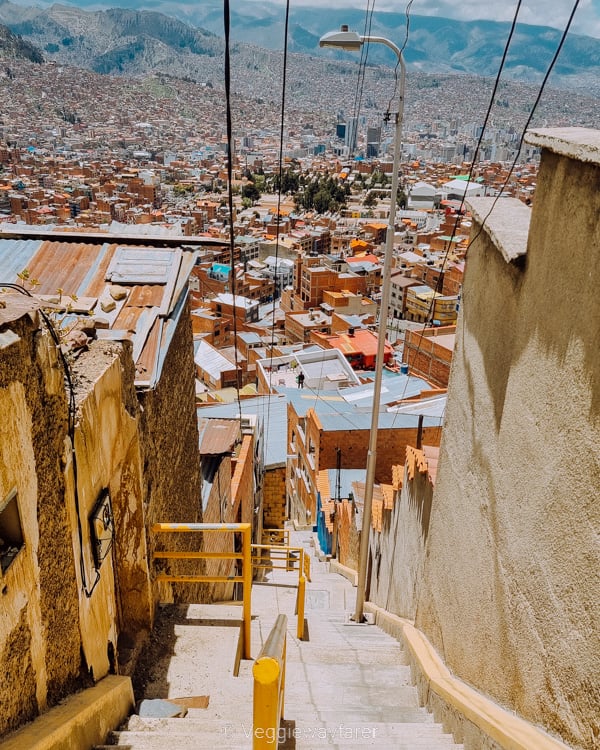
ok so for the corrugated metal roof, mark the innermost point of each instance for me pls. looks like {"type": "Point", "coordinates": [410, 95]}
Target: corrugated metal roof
{"type": "Point", "coordinates": [15, 256]}
{"type": "Point", "coordinates": [218, 436]}
{"type": "Point", "coordinates": [134, 265]}
{"type": "Point", "coordinates": [271, 411]}
{"type": "Point", "coordinates": [431, 407]}
{"type": "Point", "coordinates": [211, 360]}
{"type": "Point", "coordinates": [347, 477]}
{"type": "Point", "coordinates": [81, 269]}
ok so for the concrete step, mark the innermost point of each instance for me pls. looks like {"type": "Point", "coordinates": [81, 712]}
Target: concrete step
{"type": "Point", "coordinates": [301, 735]}
{"type": "Point", "coordinates": [347, 686]}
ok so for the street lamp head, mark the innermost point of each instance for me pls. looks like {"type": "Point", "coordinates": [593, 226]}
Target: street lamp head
{"type": "Point", "coordinates": [343, 39]}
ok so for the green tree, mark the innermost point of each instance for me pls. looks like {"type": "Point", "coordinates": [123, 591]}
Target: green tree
{"type": "Point", "coordinates": [251, 192]}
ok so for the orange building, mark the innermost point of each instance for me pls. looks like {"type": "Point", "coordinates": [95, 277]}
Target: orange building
{"type": "Point", "coordinates": [359, 346]}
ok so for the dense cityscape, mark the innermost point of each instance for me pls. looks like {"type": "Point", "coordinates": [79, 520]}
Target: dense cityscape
{"type": "Point", "coordinates": [331, 382]}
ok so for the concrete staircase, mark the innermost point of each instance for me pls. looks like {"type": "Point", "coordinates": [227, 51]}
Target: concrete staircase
{"type": "Point", "coordinates": [347, 686]}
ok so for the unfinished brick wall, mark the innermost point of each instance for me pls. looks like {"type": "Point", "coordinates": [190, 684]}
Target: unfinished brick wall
{"type": "Point", "coordinates": [348, 535]}
{"type": "Point", "coordinates": [274, 515]}
{"type": "Point", "coordinates": [391, 448]}
{"type": "Point", "coordinates": [220, 509]}
{"type": "Point", "coordinates": [427, 359]}
{"type": "Point", "coordinates": [242, 483]}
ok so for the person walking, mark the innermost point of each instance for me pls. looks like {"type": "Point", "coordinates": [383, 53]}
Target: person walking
{"type": "Point", "coordinates": [300, 380]}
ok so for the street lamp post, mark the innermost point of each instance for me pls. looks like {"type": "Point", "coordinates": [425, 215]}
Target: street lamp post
{"type": "Point", "coordinates": [352, 41]}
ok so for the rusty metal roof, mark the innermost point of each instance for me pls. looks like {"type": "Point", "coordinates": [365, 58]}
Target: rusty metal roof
{"type": "Point", "coordinates": [138, 291]}
{"type": "Point", "coordinates": [218, 436]}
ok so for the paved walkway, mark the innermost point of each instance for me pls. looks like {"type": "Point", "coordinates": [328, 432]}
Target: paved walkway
{"type": "Point", "coordinates": [347, 685]}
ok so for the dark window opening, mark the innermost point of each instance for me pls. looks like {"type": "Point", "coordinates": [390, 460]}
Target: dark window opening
{"type": "Point", "coordinates": [11, 534]}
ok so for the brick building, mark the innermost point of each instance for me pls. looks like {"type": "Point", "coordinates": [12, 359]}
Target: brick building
{"type": "Point", "coordinates": [428, 353]}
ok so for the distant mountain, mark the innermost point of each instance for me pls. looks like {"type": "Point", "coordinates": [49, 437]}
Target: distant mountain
{"type": "Point", "coordinates": [13, 47]}
{"type": "Point", "coordinates": [109, 41]}
{"type": "Point", "coordinates": [183, 41]}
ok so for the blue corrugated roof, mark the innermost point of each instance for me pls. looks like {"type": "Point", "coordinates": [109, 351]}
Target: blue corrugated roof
{"type": "Point", "coordinates": [15, 256]}
{"type": "Point", "coordinates": [272, 411]}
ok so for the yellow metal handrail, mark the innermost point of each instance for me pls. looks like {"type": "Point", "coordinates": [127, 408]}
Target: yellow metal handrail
{"type": "Point", "coordinates": [269, 688]}
{"type": "Point", "coordinates": [246, 557]}
{"type": "Point", "coordinates": [287, 556]}
{"type": "Point", "coordinates": [276, 536]}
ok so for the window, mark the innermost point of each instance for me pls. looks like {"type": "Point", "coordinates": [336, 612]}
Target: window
{"type": "Point", "coordinates": [11, 534]}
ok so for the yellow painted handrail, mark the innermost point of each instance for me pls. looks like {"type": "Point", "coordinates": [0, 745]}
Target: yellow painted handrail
{"type": "Point", "coordinates": [269, 688]}
{"type": "Point", "coordinates": [276, 536]}
{"type": "Point", "coordinates": [245, 530]}
{"type": "Point", "coordinates": [287, 556]}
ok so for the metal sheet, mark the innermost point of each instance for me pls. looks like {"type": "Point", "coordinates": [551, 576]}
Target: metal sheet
{"type": "Point", "coordinates": [141, 265]}
{"type": "Point", "coordinates": [218, 436]}
{"type": "Point", "coordinates": [15, 256]}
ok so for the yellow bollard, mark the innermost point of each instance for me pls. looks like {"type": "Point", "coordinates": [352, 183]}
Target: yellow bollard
{"type": "Point", "coordinates": [266, 673]}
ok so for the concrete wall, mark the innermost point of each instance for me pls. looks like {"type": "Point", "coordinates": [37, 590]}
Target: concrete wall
{"type": "Point", "coordinates": [512, 573]}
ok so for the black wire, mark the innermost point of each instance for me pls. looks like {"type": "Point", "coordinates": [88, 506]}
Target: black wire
{"type": "Point", "coordinates": [440, 280]}
{"type": "Point", "coordinates": [530, 117]}
{"type": "Point", "coordinates": [72, 410]}
{"type": "Point", "coordinates": [362, 69]}
{"type": "Point", "coordinates": [230, 144]}
{"type": "Point", "coordinates": [397, 66]}
{"type": "Point", "coordinates": [278, 218]}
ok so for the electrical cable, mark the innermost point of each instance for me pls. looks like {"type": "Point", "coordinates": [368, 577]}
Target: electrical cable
{"type": "Point", "coordinates": [362, 68]}
{"type": "Point", "coordinates": [278, 217]}
{"type": "Point", "coordinates": [440, 280]}
{"type": "Point", "coordinates": [521, 140]}
{"type": "Point", "coordinates": [397, 66]}
{"type": "Point", "coordinates": [230, 146]}
{"type": "Point", "coordinates": [530, 117]}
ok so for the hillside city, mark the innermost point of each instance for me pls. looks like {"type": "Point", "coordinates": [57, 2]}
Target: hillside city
{"type": "Point", "coordinates": [191, 331]}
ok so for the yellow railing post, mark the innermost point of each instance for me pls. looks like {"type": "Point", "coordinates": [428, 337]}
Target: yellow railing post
{"type": "Point", "coordinates": [246, 578]}
{"type": "Point", "coordinates": [247, 584]}
{"type": "Point", "coordinates": [269, 688]}
{"type": "Point", "coordinates": [300, 607]}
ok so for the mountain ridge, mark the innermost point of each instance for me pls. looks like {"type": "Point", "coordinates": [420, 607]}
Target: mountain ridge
{"type": "Point", "coordinates": [136, 41]}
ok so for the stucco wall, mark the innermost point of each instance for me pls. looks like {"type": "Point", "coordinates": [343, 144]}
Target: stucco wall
{"type": "Point", "coordinates": [54, 637]}
{"type": "Point", "coordinates": [39, 628]}
{"type": "Point", "coordinates": [220, 509]}
{"type": "Point", "coordinates": [512, 574]}
{"type": "Point", "coordinates": [107, 450]}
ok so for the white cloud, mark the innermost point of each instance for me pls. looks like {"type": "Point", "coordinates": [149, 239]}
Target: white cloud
{"type": "Point", "coordinates": [553, 13]}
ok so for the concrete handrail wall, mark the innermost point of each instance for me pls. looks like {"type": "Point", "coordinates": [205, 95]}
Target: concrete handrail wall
{"type": "Point", "coordinates": [473, 718]}
{"type": "Point", "coordinates": [269, 687]}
